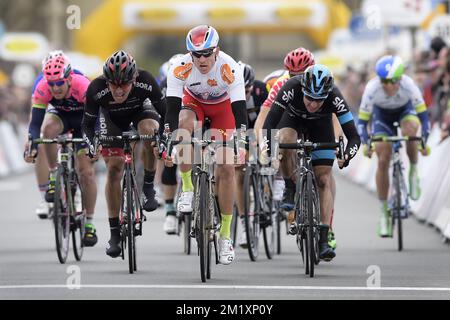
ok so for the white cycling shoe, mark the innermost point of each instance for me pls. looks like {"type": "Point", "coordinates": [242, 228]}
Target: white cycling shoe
{"type": "Point", "coordinates": [243, 235]}
{"type": "Point", "coordinates": [170, 224]}
{"type": "Point", "coordinates": [185, 201]}
{"type": "Point", "coordinates": [226, 251]}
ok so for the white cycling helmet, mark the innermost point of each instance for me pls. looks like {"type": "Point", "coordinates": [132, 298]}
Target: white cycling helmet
{"type": "Point", "coordinates": [201, 38]}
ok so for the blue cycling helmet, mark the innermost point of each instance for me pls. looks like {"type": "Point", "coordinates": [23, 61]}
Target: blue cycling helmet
{"type": "Point", "coordinates": [317, 81]}
{"type": "Point", "coordinates": [389, 67]}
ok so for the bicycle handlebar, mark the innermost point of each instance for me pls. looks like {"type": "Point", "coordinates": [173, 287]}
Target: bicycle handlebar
{"type": "Point", "coordinates": [300, 144]}
{"type": "Point", "coordinates": [393, 139]}
{"type": "Point", "coordinates": [61, 140]}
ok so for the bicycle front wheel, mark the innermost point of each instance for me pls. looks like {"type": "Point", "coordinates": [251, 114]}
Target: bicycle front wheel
{"type": "Point", "coordinates": [61, 215]}
{"type": "Point", "coordinates": [396, 211]}
{"type": "Point", "coordinates": [130, 222]}
{"type": "Point", "coordinates": [202, 230]}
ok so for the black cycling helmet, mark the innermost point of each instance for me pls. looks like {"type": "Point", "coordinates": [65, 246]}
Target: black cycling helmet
{"type": "Point", "coordinates": [249, 74]}
{"type": "Point", "coordinates": [120, 68]}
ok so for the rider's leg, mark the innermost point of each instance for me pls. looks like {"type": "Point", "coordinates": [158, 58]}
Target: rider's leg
{"type": "Point", "coordinates": [147, 127]}
{"type": "Point", "coordinates": [86, 173]}
{"type": "Point", "coordinates": [52, 126]}
{"type": "Point", "coordinates": [383, 151]}
{"type": "Point", "coordinates": [287, 166]}
{"type": "Point", "coordinates": [114, 165]}
{"type": "Point", "coordinates": [41, 171]}
{"type": "Point", "coordinates": [324, 178]}
{"type": "Point", "coordinates": [169, 187]}
{"type": "Point", "coordinates": [410, 126]}
{"type": "Point", "coordinates": [324, 183]}
{"type": "Point", "coordinates": [186, 125]}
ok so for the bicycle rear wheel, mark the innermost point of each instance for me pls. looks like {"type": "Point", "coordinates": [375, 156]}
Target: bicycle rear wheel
{"type": "Point", "coordinates": [78, 219]}
{"type": "Point", "coordinates": [61, 215]}
{"type": "Point", "coordinates": [251, 213]}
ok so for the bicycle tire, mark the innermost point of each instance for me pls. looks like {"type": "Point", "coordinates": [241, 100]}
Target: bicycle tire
{"type": "Point", "coordinates": [302, 220]}
{"type": "Point", "coordinates": [187, 223]}
{"type": "Point", "coordinates": [269, 227]}
{"type": "Point", "coordinates": [212, 234]}
{"type": "Point", "coordinates": [129, 221]}
{"type": "Point", "coordinates": [202, 231]}
{"type": "Point", "coordinates": [137, 220]}
{"type": "Point", "coordinates": [61, 217]}
{"type": "Point", "coordinates": [79, 219]}
{"type": "Point", "coordinates": [279, 219]}
{"type": "Point", "coordinates": [252, 227]}
{"type": "Point", "coordinates": [396, 216]}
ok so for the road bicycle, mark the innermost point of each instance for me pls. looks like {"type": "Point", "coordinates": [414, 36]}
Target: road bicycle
{"type": "Point", "coordinates": [306, 200]}
{"type": "Point", "coordinates": [398, 202]}
{"type": "Point", "coordinates": [68, 214]}
{"type": "Point", "coordinates": [131, 216]}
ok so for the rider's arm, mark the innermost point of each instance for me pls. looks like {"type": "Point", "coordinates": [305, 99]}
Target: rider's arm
{"type": "Point", "coordinates": [39, 100]}
{"type": "Point", "coordinates": [240, 113]}
{"type": "Point", "coordinates": [91, 110]}
{"type": "Point", "coordinates": [347, 123]}
{"type": "Point", "coordinates": [365, 113]}
{"type": "Point", "coordinates": [172, 112]}
{"type": "Point", "coordinates": [37, 117]}
{"type": "Point", "coordinates": [174, 93]}
{"type": "Point", "coordinates": [155, 94]}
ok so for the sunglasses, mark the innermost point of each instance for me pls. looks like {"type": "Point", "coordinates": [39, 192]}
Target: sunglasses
{"type": "Point", "coordinates": [206, 53]}
{"type": "Point", "coordinates": [309, 98]}
{"type": "Point", "coordinates": [122, 85]}
{"type": "Point", "coordinates": [393, 81]}
{"type": "Point", "coordinates": [56, 83]}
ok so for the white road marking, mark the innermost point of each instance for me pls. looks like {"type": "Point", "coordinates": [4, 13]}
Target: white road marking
{"type": "Point", "coordinates": [249, 287]}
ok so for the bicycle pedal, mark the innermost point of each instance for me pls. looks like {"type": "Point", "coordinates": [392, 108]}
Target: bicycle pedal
{"type": "Point", "coordinates": [192, 234]}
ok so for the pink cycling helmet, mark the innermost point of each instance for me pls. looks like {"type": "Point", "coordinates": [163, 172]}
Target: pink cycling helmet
{"type": "Point", "coordinates": [57, 68]}
{"type": "Point", "coordinates": [298, 60]}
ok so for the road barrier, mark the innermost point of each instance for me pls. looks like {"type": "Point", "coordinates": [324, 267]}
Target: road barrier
{"type": "Point", "coordinates": [11, 150]}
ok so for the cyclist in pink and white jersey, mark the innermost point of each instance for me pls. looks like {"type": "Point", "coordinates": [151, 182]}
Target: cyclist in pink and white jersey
{"type": "Point", "coordinates": [58, 104]}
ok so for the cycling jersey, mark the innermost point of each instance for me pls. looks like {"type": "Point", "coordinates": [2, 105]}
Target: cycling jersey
{"type": "Point", "coordinates": [275, 89]}
{"type": "Point", "coordinates": [68, 109]}
{"type": "Point", "coordinates": [144, 101]}
{"type": "Point", "coordinates": [221, 83]}
{"type": "Point", "coordinates": [289, 105]}
{"type": "Point", "coordinates": [221, 87]}
{"type": "Point", "coordinates": [407, 101]}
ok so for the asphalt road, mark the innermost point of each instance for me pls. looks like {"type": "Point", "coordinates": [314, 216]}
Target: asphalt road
{"type": "Point", "coordinates": [366, 267]}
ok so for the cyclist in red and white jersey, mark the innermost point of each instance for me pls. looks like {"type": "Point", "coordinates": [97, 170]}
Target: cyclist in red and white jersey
{"type": "Point", "coordinates": [207, 82]}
